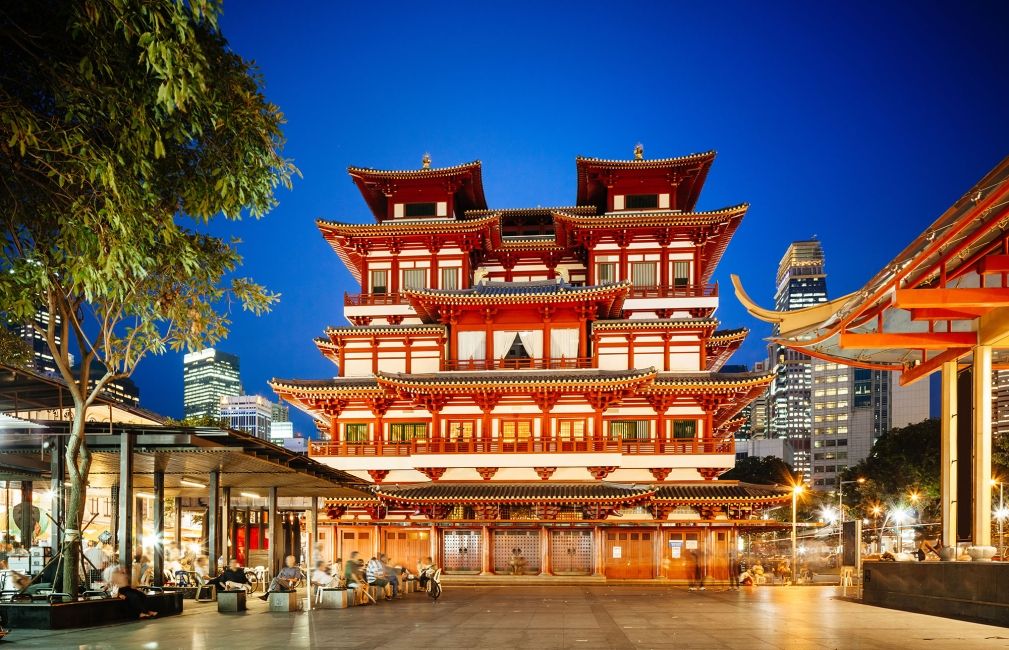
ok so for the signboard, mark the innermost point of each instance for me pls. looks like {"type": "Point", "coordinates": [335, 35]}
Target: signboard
{"type": "Point", "coordinates": [692, 544]}
{"type": "Point", "coordinates": [676, 548]}
{"type": "Point", "coordinates": [851, 541]}
{"type": "Point", "coordinates": [617, 552]}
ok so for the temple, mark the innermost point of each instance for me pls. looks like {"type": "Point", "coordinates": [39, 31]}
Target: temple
{"type": "Point", "coordinates": [536, 390]}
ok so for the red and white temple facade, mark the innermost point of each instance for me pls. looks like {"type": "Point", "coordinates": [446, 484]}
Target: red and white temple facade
{"type": "Point", "coordinates": [543, 380]}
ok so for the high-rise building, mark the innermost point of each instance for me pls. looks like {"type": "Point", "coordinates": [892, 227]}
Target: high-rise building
{"type": "Point", "coordinates": [759, 407]}
{"type": "Point", "coordinates": [123, 390]}
{"type": "Point", "coordinates": [249, 413]}
{"type": "Point", "coordinates": [209, 375]}
{"type": "Point", "coordinates": [801, 282]}
{"type": "Point", "coordinates": [1000, 402]}
{"type": "Point", "coordinates": [42, 357]}
{"type": "Point", "coordinates": [280, 413]}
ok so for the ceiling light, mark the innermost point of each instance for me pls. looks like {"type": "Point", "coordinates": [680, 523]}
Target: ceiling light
{"type": "Point", "coordinates": [188, 482]}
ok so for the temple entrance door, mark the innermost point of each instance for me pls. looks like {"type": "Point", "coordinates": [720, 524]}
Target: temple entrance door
{"type": "Point", "coordinates": [355, 539]}
{"type": "Point", "coordinates": [629, 553]}
{"type": "Point", "coordinates": [718, 557]}
{"type": "Point", "coordinates": [461, 551]}
{"type": "Point", "coordinates": [676, 560]}
{"type": "Point", "coordinates": [571, 552]}
{"type": "Point", "coordinates": [406, 548]}
{"type": "Point", "coordinates": [517, 552]}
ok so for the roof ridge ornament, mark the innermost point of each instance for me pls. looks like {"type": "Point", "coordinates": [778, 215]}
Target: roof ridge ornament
{"type": "Point", "coordinates": [425, 161]}
{"type": "Point", "coordinates": [639, 151]}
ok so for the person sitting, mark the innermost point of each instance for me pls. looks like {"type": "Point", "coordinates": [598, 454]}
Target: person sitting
{"type": "Point", "coordinates": [376, 576]}
{"type": "Point", "coordinates": [353, 578]}
{"type": "Point", "coordinates": [321, 577]}
{"type": "Point", "coordinates": [517, 562]}
{"type": "Point", "coordinates": [136, 601]}
{"type": "Point", "coordinates": [286, 579]}
{"type": "Point", "coordinates": [425, 569]}
{"type": "Point", "coordinates": [232, 578]}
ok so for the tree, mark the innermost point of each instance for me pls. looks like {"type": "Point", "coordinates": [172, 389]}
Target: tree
{"type": "Point", "coordinates": [13, 349]}
{"type": "Point", "coordinates": [769, 470]}
{"type": "Point", "coordinates": [128, 126]}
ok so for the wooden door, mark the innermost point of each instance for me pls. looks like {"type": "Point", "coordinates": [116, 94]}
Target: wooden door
{"type": "Point", "coordinates": [571, 552]}
{"type": "Point", "coordinates": [406, 548]}
{"type": "Point", "coordinates": [629, 553]}
{"type": "Point", "coordinates": [517, 552]}
{"type": "Point", "coordinates": [677, 562]}
{"type": "Point", "coordinates": [356, 539]}
{"type": "Point", "coordinates": [718, 557]}
{"type": "Point", "coordinates": [461, 551]}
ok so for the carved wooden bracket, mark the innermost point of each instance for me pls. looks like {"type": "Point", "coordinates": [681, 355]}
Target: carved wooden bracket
{"type": "Point", "coordinates": [711, 473]}
{"type": "Point", "coordinates": [660, 512]}
{"type": "Point", "coordinates": [395, 320]}
{"type": "Point", "coordinates": [438, 511]}
{"type": "Point", "coordinates": [361, 321]}
{"type": "Point", "coordinates": [545, 472]}
{"type": "Point", "coordinates": [599, 473]}
{"type": "Point", "coordinates": [335, 512]}
{"type": "Point", "coordinates": [376, 512]}
{"type": "Point", "coordinates": [378, 475]}
{"type": "Point", "coordinates": [486, 473]}
{"type": "Point", "coordinates": [433, 473]}
{"type": "Point", "coordinates": [547, 511]}
{"type": "Point", "coordinates": [660, 473]}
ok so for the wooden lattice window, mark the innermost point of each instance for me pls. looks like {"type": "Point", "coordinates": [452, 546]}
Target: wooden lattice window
{"type": "Point", "coordinates": [407, 431]}
{"type": "Point", "coordinates": [355, 432]}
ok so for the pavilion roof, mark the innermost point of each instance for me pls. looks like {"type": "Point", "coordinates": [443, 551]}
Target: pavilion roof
{"type": "Point", "coordinates": [656, 324]}
{"type": "Point", "coordinates": [516, 380]}
{"type": "Point", "coordinates": [376, 185]}
{"type": "Point", "coordinates": [463, 493]}
{"type": "Point", "coordinates": [533, 212]}
{"type": "Point", "coordinates": [722, 344]}
{"type": "Point", "coordinates": [430, 303]}
{"type": "Point", "coordinates": [890, 324]}
{"type": "Point", "coordinates": [354, 330]}
{"type": "Point", "coordinates": [594, 174]}
{"type": "Point", "coordinates": [720, 491]}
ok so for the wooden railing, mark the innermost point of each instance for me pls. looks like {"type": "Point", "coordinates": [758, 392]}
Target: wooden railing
{"type": "Point", "coordinates": [559, 363]}
{"type": "Point", "coordinates": [365, 299]}
{"type": "Point", "coordinates": [683, 291]}
{"type": "Point", "coordinates": [582, 445]}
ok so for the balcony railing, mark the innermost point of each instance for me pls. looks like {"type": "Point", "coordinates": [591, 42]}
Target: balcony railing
{"type": "Point", "coordinates": [581, 445]}
{"type": "Point", "coordinates": [365, 299]}
{"type": "Point", "coordinates": [672, 291]}
{"type": "Point", "coordinates": [559, 363]}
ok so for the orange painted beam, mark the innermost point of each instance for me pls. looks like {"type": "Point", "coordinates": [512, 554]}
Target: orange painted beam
{"type": "Point", "coordinates": [921, 370]}
{"type": "Point", "coordinates": [934, 313]}
{"type": "Point", "coordinates": [907, 340]}
{"type": "Point", "coordinates": [972, 298]}
{"type": "Point", "coordinates": [993, 264]}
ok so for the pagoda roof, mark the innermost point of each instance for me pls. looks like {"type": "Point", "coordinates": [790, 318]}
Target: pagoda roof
{"type": "Point", "coordinates": [720, 491]}
{"type": "Point", "coordinates": [533, 212]}
{"type": "Point", "coordinates": [594, 174]}
{"type": "Point", "coordinates": [722, 344]}
{"type": "Point", "coordinates": [689, 380]}
{"type": "Point", "coordinates": [377, 185]}
{"type": "Point", "coordinates": [432, 226]}
{"type": "Point", "coordinates": [384, 329]}
{"type": "Point", "coordinates": [516, 492]}
{"type": "Point", "coordinates": [656, 324]}
{"type": "Point", "coordinates": [344, 386]}
{"type": "Point", "coordinates": [429, 303]}
{"type": "Point", "coordinates": [890, 323]}
{"type": "Point", "coordinates": [517, 381]}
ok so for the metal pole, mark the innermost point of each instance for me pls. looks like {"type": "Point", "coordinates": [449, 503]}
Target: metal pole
{"type": "Point", "coordinates": [795, 496]}
{"type": "Point", "coordinates": [214, 523]}
{"type": "Point", "coordinates": [159, 528]}
{"type": "Point", "coordinates": [125, 532]}
{"type": "Point", "coordinates": [274, 534]}
{"type": "Point", "coordinates": [840, 521]}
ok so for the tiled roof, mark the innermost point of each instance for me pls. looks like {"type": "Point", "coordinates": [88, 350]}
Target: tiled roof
{"type": "Point", "coordinates": [572, 209]}
{"type": "Point", "coordinates": [325, 384]}
{"type": "Point", "coordinates": [645, 218]}
{"type": "Point", "coordinates": [652, 323]}
{"type": "Point", "coordinates": [518, 377]}
{"type": "Point", "coordinates": [523, 289]}
{"type": "Point", "coordinates": [385, 329]}
{"type": "Point", "coordinates": [415, 173]}
{"type": "Point", "coordinates": [645, 163]}
{"type": "Point", "coordinates": [709, 378]}
{"type": "Point", "coordinates": [739, 332]}
{"type": "Point", "coordinates": [405, 227]}
{"type": "Point", "coordinates": [517, 492]}
{"type": "Point", "coordinates": [720, 491]}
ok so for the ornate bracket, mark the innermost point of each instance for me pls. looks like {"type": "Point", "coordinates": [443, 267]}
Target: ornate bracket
{"type": "Point", "coordinates": [660, 473]}
{"type": "Point", "coordinates": [486, 473]}
{"type": "Point", "coordinates": [599, 473]}
{"type": "Point", "coordinates": [433, 473]}
{"type": "Point", "coordinates": [378, 475]}
{"type": "Point", "coordinates": [545, 472]}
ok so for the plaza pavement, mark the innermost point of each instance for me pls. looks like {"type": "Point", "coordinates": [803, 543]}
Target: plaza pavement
{"type": "Point", "coordinates": [581, 617]}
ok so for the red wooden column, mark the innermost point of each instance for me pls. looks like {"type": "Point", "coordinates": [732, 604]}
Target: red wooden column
{"type": "Point", "coordinates": [486, 565]}
{"type": "Point", "coordinates": [435, 546]}
{"type": "Point", "coordinates": [599, 552]}
{"type": "Point", "coordinates": [630, 351]}
{"type": "Point", "coordinates": [394, 272]}
{"type": "Point", "coordinates": [666, 336]}
{"type": "Point", "coordinates": [664, 268]}
{"type": "Point", "coordinates": [334, 428]}
{"type": "Point", "coordinates": [545, 568]}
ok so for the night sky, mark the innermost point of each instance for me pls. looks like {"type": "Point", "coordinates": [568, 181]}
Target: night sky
{"type": "Point", "coordinates": [856, 123]}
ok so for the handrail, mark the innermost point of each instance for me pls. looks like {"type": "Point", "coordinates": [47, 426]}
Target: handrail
{"type": "Point", "coordinates": [364, 299]}
{"type": "Point", "coordinates": [672, 291]}
{"type": "Point", "coordinates": [530, 446]}
{"type": "Point", "coordinates": [553, 363]}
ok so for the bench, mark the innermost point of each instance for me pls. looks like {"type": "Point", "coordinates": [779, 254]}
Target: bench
{"type": "Point", "coordinates": [284, 601]}
{"type": "Point", "coordinates": [231, 600]}
{"type": "Point", "coordinates": [83, 613]}
{"type": "Point", "coordinates": [336, 598]}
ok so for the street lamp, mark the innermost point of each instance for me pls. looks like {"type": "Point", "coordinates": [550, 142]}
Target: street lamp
{"type": "Point", "coordinates": [840, 515]}
{"type": "Point", "coordinates": [1001, 513]}
{"type": "Point", "coordinates": [899, 516]}
{"type": "Point", "coordinates": [877, 510]}
{"type": "Point", "coordinates": [796, 491]}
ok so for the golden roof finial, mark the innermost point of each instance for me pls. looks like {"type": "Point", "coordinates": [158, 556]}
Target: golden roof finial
{"type": "Point", "coordinates": [639, 151]}
{"type": "Point", "coordinates": [425, 161]}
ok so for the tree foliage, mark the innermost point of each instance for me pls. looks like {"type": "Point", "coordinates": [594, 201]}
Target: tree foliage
{"type": "Point", "coordinates": [13, 349]}
{"type": "Point", "coordinates": [126, 126]}
{"type": "Point", "coordinates": [769, 470]}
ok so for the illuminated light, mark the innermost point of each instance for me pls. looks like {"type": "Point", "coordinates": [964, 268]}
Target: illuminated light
{"type": "Point", "coordinates": [188, 482]}
{"type": "Point", "coordinates": [1002, 513]}
{"type": "Point", "coordinates": [145, 495]}
{"type": "Point", "coordinates": [194, 548]}
{"type": "Point", "coordinates": [151, 540]}
{"type": "Point", "coordinates": [249, 495]}
{"type": "Point", "coordinates": [861, 479]}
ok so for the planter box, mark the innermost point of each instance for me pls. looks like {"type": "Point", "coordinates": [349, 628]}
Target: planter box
{"type": "Point", "coordinates": [335, 599]}
{"type": "Point", "coordinates": [84, 613]}
{"type": "Point", "coordinates": [284, 601]}
{"type": "Point", "coordinates": [231, 601]}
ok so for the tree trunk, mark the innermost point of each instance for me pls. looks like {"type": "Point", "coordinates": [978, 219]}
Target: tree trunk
{"type": "Point", "coordinates": [78, 465]}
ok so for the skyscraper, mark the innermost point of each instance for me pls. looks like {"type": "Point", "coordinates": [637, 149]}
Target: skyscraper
{"type": "Point", "coordinates": [249, 413]}
{"type": "Point", "coordinates": [42, 357]}
{"type": "Point", "coordinates": [208, 375]}
{"type": "Point", "coordinates": [801, 282]}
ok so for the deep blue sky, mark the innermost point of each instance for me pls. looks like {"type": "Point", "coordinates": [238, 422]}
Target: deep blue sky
{"type": "Point", "coordinates": [858, 123]}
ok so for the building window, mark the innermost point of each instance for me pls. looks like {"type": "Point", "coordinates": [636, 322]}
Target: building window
{"type": "Point", "coordinates": [379, 282]}
{"type": "Point", "coordinates": [681, 274]}
{"type": "Point", "coordinates": [420, 210]}
{"type": "Point", "coordinates": [355, 432]}
{"type": "Point", "coordinates": [571, 429]}
{"type": "Point", "coordinates": [607, 272]}
{"type": "Point", "coordinates": [414, 278]}
{"type": "Point", "coordinates": [516, 430]}
{"type": "Point", "coordinates": [643, 274]}
{"type": "Point", "coordinates": [684, 429]}
{"type": "Point", "coordinates": [641, 201]}
{"type": "Point", "coordinates": [630, 429]}
{"type": "Point", "coordinates": [460, 430]}
{"type": "Point", "coordinates": [450, 278]}
{"type": "Point", "coordinates": [407, 431]}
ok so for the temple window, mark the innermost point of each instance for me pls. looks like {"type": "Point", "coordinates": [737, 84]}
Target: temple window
{"type": "Point", "coordinates": [643, 274]}
{"type": "Point", "coordinates": [526, 344]}
{"type": "Point", "coordinates": [355, 432]}
{"type": "Point", "coordinates": [407, 431]}
{"type": "Point", "coordinates": [684, 429]}
{"type": "Point", "coordinates": [516, 430]}
{"type": "Point", "coordinates": [414, 210]}
{"type": "Point", "coordinates": [450, 278]}
{"type": "Point", "coordinates": [472, 346]}
{"type": "Point", "coordinates": [460, 430]}
{"type": "Point", "coordinates": [641, 201]}
{"type": "Point", "coordinates": [630, 430]}
{"type": "Point", "coordinates": [571, 429]}
{"type": "Point", "coordinates": [379, 282]}
{"type": "Point", "coordinates": [606, 272]}
{"type": "Point", "coordinates": [414, 278]}
{"type": "Point", "coordinates": [681, 273]}
{"type": "Point", "coordinates": [517, 350]}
